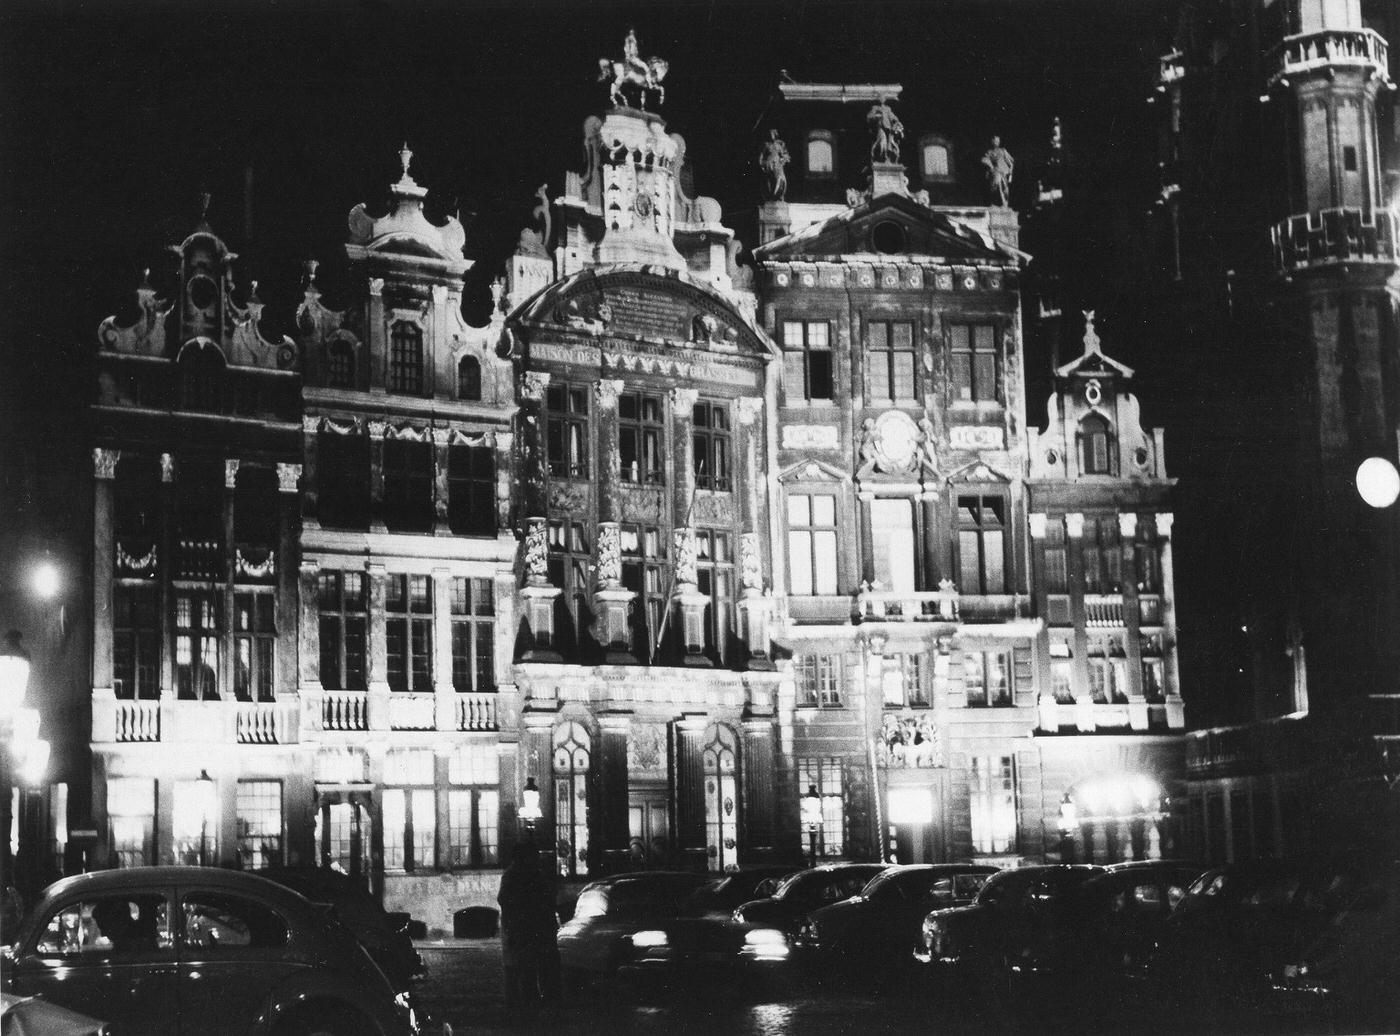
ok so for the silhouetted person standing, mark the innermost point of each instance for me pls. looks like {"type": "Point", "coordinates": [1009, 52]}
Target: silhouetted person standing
{"type": "Point", "coordinates": [528, 926]}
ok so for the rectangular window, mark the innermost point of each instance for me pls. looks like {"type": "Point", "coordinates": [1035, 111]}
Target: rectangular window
{"type": "Point", "coordinates": [406, 358]}
{"type": "Point", "coordinates": [818, 681]}
{"type": "Point", "coordinates": [471, 490]}
{"type": "Point", "coordinates": [1149, 560]}
{"type": "Point", "coordinates": [893, 546]}
{"type": "Point", "coordinates": [993, 802]}
{"type": "Point", "coordinates": [889, 362]}
{"type": "Point", "coordinates": [1056, 568]}
{"type": "Point", "coordinates": [566, 430]}
{"type": "Point", "coordinates": [824, 775]}
{"type": "Point", "coordinates": [259, 813]}
{"type": "Point", "coordinates": [194, 835]}
{"type": "Point", "coordinates": [254, 644]}
{"type": "Point", "coordinates": [131, 811]}
{"type": "Point", "coordinates": [135, 642]}
{"type": "Point", "coordinates": [343, 621]}
{"type": "Point", "coordinates": [570, 565]}
{"type": "Point", "coordinates": [807, 361]}
{"type": "Point", "coordinates": [812, 544]}
{"type": "Point", "coordinates": [473, 806]}
{"type": "Point", "coordinates": [197, 631]}
{"type": "Point", "coordinates": [715, 570]}
{"type": "Point", "coordinates": [986, 676]}
{"type": "Point", "coordinates": [1061, 672]}
{"type": "Point", "coordinates": [408, 609]}
{"type": "Point", "coordinates": [342, 481]}
{"type": "Point", "coordinates": [644, 573]}
{"type": "Point", "coordinates": [409, 811]}
{"type": "Point", "coordinates": [982, 544]}
{"type": "Point", "coordinates": [709, 440]}
{"type": "Point", "coordinates": [408, 485]}
{"type": "Point", "coordinates": [1152, 680]}
{"type": "Point", "coordinates": [473, 635]}
{"type": "Point", "coordinates": [1107, 677]}
{"type": "Point", "coordinates": [640, 438]}
{"type": "Point", "coordinates": [974, 363]}
{"type": "Point", "coordinates": [904, 682]}
{"type": "Point", "coordinates": [1102, 554]}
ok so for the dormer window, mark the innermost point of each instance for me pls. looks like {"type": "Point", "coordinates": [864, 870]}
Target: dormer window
{"type": "Point", "coordinates": [935, 160]}
{"type": "Point", "coordinates": [821, 154]}
{"type": "Point", "coordinates": [1098, 453]}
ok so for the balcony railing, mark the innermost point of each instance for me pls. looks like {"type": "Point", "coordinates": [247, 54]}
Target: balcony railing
{"type": "Point", "coordinates": [409, 710]}
{"type": "Point", "coordinates": [138, 720]}
{"type": "Point", "coordinates": [344, 710]}
{"type": "Point", "coordinates": [199, 559]}
{"type": "Point", "coordinates": [1332, 48]}
{"type": "Point", "coordinates": [262, 723]}
{"type": "Point", "coordinates": [477, 712]}
{"type": "Point", "coordinates": [1103, 610]}
{"type": "Point", "coordinates": [1335, 236]}
{"type": "Point", "coordinates": [992, 607]}
{"type": "Point", "coordinates": [908, 606]}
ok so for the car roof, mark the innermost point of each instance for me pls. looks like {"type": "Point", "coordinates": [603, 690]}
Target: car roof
{"type": "Point", "coordinates": [648, 877]}
{"type": "Point", "coordinates": [137, 878]}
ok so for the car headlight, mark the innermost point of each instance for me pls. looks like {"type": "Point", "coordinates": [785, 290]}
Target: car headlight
{"type": "Point", "coordinates": [648, 938]}
{"type": "Point", "coordinates": [766, 944]}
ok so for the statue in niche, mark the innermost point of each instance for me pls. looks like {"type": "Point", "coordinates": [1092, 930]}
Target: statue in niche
{"type": "Point", "coordinates": [887, 131]}
{"type": "Point", "coordinates": [1000, 167]}
{"type": "Point", "coordinates": [869, 449]}
{"type": "Point", "coordinates": [632, 70]}
{"type": "Point", "coordinates": [773, 160]}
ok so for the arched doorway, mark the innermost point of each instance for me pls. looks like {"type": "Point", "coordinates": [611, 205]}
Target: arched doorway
{"type": "Point", "coordinates": [572, 754]}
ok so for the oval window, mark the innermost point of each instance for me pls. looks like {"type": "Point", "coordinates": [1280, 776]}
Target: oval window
{"type": "Point", "coordinates": [202, 292]}
{"type": "Point", "coordinates": [888, 237]}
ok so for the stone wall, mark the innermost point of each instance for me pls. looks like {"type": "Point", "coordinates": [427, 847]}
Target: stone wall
{"type": "Point", "coordinates": [434, 898]}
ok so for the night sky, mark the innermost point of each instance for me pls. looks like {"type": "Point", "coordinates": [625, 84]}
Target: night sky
{"type": "Point", "coordinates": [113, 117]}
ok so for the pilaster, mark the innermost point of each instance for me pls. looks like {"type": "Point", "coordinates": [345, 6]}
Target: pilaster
{"type": "Point", "coordinates": [1176, 708]}
{"type": "Point", "coordinates": [760, 787]}
{"type": "Point", "coordinates": [687, 599]}
{"type": "Point", "coordinates": [378, 683]}
{"type": "Point", "coordinates": [308, 641]}
{"type": "Point", "coordinates": [538, 596]}
{"type": "Point", "coordinates": [1074, 564]}
{"type": "Point", "coordinates": [104, 463]}
{"type": "Point", "coordinates": [690, 788]}
{"type": "Point", "coordinates": [288, 513]}
{"type": "Point", "coordinates": [612, 823]}
{"type": "Point", "coordinates": [310, 431]}
{"type": "Point", "coordinates": [377, 429]}
{"type": "Point", "coordinates": [444, 700]}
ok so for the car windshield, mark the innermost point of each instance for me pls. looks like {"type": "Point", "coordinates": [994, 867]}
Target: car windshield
{"type": "Point", "coordinates": [1004, 888]}
{"type": "Point", "coordinates": [826, 886]}
{"type": "Point", "coordinates": [898, 884]}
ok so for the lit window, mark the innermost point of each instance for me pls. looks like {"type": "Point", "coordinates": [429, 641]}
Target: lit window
{"type": "Point", "coordinates": [131, 808]}
{"type": "Point", "coordinates": [197, 634]}
{"type": "Point", "coordinates": [812, 543]}
{"type": "Point", "coordinates": [473, 635]}
{"type": "Point", "coordinates": [892, 545]}
{"type": "Point", "coordinates": [570, 568]}
{"type": "Point", "coordinates": [1061, 672]}
{"type": "Point", "coordinates": [566, 437]}
{"type": "Point", "coordinates": [715, 579]}
{"type": "Point", "coordinates": [473, 811]}
{"type": "Point", "coordinates": [821, 157]}
{"type": "Point", "coordinates": [408, 608]}
{"type": "Point", "coordinates": [889, 361]}
{"type": "Point", "coordinates": [406, 359]}
{"type": "Point", "coordinates": [904, 681]}
{"type": "Point", "coordinates": [644, 572]}
{"type": "Point", "coordinates": [571, 762]}
{"type": "Point", "coordinates": [254, 644]}
{"type": "Point", "coordinates": [259, 813]}
{"type": "Point", "coordinates": [721, 800]}
{"type": "Point", "coordinates": [975, 369]}
{"type": "Point", "coordinates": [194, 834]}
{"type": "Point", "coordinates": [987, 678]}
{"type": "Point", "coordinates": [709, 441]}
{"type": "Point", "coordinates": [640, 438]}
{"type": "Point", "coordinates": [807, 361]}
{"type": "Point", "coordinates": [409, 813]}
{"type": "Point", "coordinates": [818, 683]}
{"type": "Point", "coordinates": [1102, 555]}
{"type": "Point", "coordinates": [993, 803]}
{"type": "Point", "coordinates": [981, 522]}
{"type": "Point", "coordinates": [825, 774]}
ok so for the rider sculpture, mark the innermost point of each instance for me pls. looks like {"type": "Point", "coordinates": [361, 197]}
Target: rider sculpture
{"type": "Point", "coordinates": [646, 75]}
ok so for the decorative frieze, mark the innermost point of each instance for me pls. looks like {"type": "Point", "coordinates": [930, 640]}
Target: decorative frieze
{"type": "Point", "coordinates": [687, 553]}
{"type": "Point", "coordinates": [748, 408]}
{"type": "Point", "coordinates": [128, 564]}
{"type": "Point", "coordinates": [244, 566]}
{"type": "Point", "coordinates": [533, 384]}
{"type": "Point", "coordinates": [607, 391]}
{"type": "Point", "coordinates": [811, 437]}
{"type": "Point", "coordinates": [977, 437]}
{"type": "Point", "coordinates": [750, 562]}
{"type": "Point", "coordinates": [609, 561]}
{"type": "Point", "coordinates": [537, 552]}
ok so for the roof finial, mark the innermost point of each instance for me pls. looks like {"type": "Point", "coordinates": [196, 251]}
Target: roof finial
{"type": "Point", "coordinates": [405, 156]}
{"type": "Point", "coordinates": [204, 199]}
{"type": "Point", "coordinates": [1091, 340]}
{"type": "Point", "coordinates": [310, 266]}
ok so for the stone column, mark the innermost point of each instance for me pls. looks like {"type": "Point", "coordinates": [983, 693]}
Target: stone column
{"type": "Point", "coordinates": [749, 479]}
{"type": "Point", "coordinates": [1047, 706]}
{"type": "Point", "coordinates": [311, 492]}
{"type": "Point", "coordinates": [226, 665]}
{"type": "Point", "coordinates": [1127, 541]}
{"type": "Point", "coordinates": [1176, 709]}
{"type": "Point", "coordinates": [755, 607]}
{"type": "Point", "coordinates": [538, 595]}
{"type": "Point", "coordinates": [308, 639]}
{"type": "Point", "coordinates": [104, 471]}
{"type": "Point", "coordinates": [690, 789]}
{"type": "Point", "coordinates": [760, 778]}
{"type": "Point", "coordinates": [288, 512]}
{"type": "Point", "coordinates": [533, 452]}
{"type": "Point", "coordinates": [378, 650]}
{"type": "Point", "coordinates": [444, 694]}
{"type": "Point", "coordinates": [505, 484]}
{"type": "Point", "coordinates": [864, 498]}
{"type": "Point", "coordinates": [611, 600]}
{"type": "Point", "coordinates": [377, 338]}
{"type": "Point", "coordinates": [1074, 563]}
{"type": "Point", "coordinates": [929, 499]}
{"type": "Point", "coordinates": [377, 430]}
{"type": "Point", "coordinates": [683, 402]}
{"type": "Point", "coordinates": [166, 566]}
{"type": "Point", "coordinates": [605, 394]}
{"type": "Point", "coordinates": [442, 446]}
{"type": "Point", "coordinates": [612, 826]}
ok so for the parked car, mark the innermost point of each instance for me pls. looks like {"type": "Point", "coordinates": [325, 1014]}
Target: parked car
{"type": "Point", "coordinates": [165, 949]}
{"type": "Point", "coordinates": [878, 927]}
{"type": "Point", "coordinates": [1307, 942]}
{"type": "Point", "coordinates": [32, 1016]}
{"type": "Point", "coordinates": [725, 895]}
{"type": "Point", "coordinates": [383, 933]}
{"type": "Point", "coordinates": [596, 940]}
{"type": "Point", "coordinates": [805, 891]}
{"type": "Point", "coordinates": [975, 940]}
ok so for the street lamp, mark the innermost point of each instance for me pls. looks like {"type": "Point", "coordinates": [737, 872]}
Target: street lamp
{"type": "Point", "coordinates": [205, 800]}
{"type": "Point", "coordinates": [530, 811]}
{"type": "Point", "coordinates": [1378, 482]}
{"type": "Point", "coordinates": [812, 819]}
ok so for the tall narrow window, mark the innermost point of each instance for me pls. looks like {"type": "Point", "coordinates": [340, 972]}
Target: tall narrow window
{"type": "Point", "coordinates": [818, 681]}
{"type": "Point", "coordinates": [889, 362]}
{"type": "Point", "coordinates": [905, 682]}
{"type": "Point", "coordinates": [892, 545]}
{"type": "Point", "coordinates": [639, 438]}
{"type": "Point", "coordinates": [408, 485]}
{"type": "Point", "coordinates": [343, 622]}
{"type": "Point", "coordinates": [471, 490]}
{"type": "Point", "coordinates": [469, 378]}
{"type": "Point", "coordinates": [982, 544]}
{"type": "Point", "coordinates": [1108, 678]}
{"type": "Point", "coordinates": [408, 608]}
{"type": "Point", "coordinates": [566, 434]}
{"type": "Point", "coordinates": [473, 635]}
{"type": "Point", "coordinates": [821, 156]}
{"type": "Point", "coordinates": [1147, 556]}
{"type": "Point", "coordinates": [644, 573]}
{"type": "Point", "coordinates": [197, 630]}
{"type": "Point", "coordinates": [570, 563]}
{"type": "Point", "coordinates": [824, 773]}
{"type": "Point", "coordinates": [409, 809]}
{"type": "Point", "coordinates": [259, 817]}
{"type": "Point", "coordinates": [254, 644]}
{"type": "Point", "coordinates": [1056, 568]}
{"type": "Point", "coordinates": [473, 805]}
{"type": "Point", "coordinates": [812, 543]}
{"type": "Point", "coordinates": [1098, 453]}
{"type": "Point", "coordinates": [987, 678]}
{"type": "Point", "coordinates": [342, 480]}
{"type": "Point", "coordinates": [340, 364]}
{"type": "Point", "coordinates": [807, 361]}
{"type": "Point", "coordinates": [135, 642]}
{"type": "Point", "coordinates": [993, 801]}
{"type": "Point", "coordinates": [716, 581]}
{"type": "Point", "coordinates": [131, 812]}
{"type": "Point", "coordinates": [406, 359]}
{"type": "Point", "coordinates": [721, 801]}
{"type": "Point", "coordinates": [1102, 555]}
{"type": "Point", "coordinates": [571, 759]}
{"type": "Point", "coordinates": [1061, 672]}
{"type": "Point", "coordinates": [709, 441]}
{"type": "Point", "coordinates": [975, 368]}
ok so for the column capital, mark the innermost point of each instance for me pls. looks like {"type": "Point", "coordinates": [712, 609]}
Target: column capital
{"type": "Point", "coordinates": [377, 429]}
{"type": "Point", "coordinates": [310, 566]}
{"type": "Point", "coordinates": [536, 551]}
{"type": "Point", "coordinates": [104, 463]}
{"type": "Point", "coordinates": [231, 473]}
{"type": "Point", "coordinates": [1164, 524]}
{"type": "Point", "coordinates": [310, 424]}
{"type": "Point", "coordinates": [1127, 525]}
{"type": "Point", "coordinates": [1074, 524]}
{"type": "Point", "coordinates": [749, 407]}
{"type": "Point", "coordinates": [606, 391]}
{"type": "Point", "coordinates": [287, 477]}
{"type": "Point", "coordinates": [533, 384]}
{"type": "Point", "coordinates": [1038, 526]}
{"type": "Point", "coordinates": [684, 398]}
{"type": "Point", "coordinates": [750, 562]}
{"type": "Point", "coordinates": [167, 468]}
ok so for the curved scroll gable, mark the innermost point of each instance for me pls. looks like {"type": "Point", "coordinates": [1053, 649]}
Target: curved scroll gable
{"type": "Point", "coordinates": [145, 337]}
{"type": "Point", "coordinates": [1136, 449]}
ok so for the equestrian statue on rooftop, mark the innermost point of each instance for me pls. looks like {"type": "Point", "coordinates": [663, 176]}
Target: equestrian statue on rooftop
{"type": "Point", "coordinates": [646, 75]}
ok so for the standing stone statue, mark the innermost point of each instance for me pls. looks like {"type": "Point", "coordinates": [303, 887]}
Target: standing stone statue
{"type": "Point", "coordinates": [772, 161]}
{"type": "Point", "coordinates": [1000, 167]}
{"type": "Point", "coordinates": [887, 130]}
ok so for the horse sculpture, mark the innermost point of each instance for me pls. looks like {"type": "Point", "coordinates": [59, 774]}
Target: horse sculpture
{"type": "Point", "coordinates": [648, 77]}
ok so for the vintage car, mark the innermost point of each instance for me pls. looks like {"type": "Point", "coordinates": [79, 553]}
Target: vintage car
{"type": "Point", "coordinates": [876, 929]}
{"type": "Point", "coordinates": [199, 950]}
{"type": "Point", "coordinates": [805, 891]}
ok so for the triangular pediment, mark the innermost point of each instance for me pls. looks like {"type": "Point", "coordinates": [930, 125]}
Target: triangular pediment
{"type": "Point", "coordinates": [813, 471]}
{"type": "Point", "coordinates": [890, 226]}
{"type": "Point", "coordinates": [978, 471]}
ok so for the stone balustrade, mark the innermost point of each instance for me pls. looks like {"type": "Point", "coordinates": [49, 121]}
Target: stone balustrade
{"type": "Point", "coordinates": [477, 712]}
{"type": "Point", "coordinates": [1103, 610]}
{"type": "Point", "coordinates": [908, 606]}
{"type": "Point", "coordinates": [410, 710]}
{"type": "Point", "coordinates": [1345, 235]}
{"type": "Point", "coordinates": [1331, 48]}
{"type": "Point", "coordinates": [1133, 716]}
{"type": "Point", "coordinates": [344, 710]}
{"type": "Point", "coordinates": [265, 722]}
{"type": "Point", "coordinates": [137, 720]}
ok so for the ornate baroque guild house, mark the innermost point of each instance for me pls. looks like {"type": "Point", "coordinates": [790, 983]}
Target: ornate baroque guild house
{"type": "Point", "coordinates": [689, 548]}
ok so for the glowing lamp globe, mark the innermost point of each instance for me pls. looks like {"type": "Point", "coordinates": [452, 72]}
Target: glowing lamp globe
{"type": "Point", "coordinates": [14, 675]}
{"type": "Point", "coordinates": [46, 580]}
{"type": "Point", "coordinates": [1378, 482]}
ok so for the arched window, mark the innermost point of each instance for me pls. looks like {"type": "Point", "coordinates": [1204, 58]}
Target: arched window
{"type": "Point", "coordinates": [340, 364]}
{"type": "Point", "coordinates": [571, 758]}
{"type": "Point", "coordinates": [721, 800]}
{"type": "Point", "coordinates": [821, 156]}
{"type": "Point", "coordinates": [1098, 453]}
{"type": "Point", "coordinates": [935, 160]}
{"type": "Point", "coordinates": [406, 359]}
{"type": "Point", "coordinates": [469, 378]}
